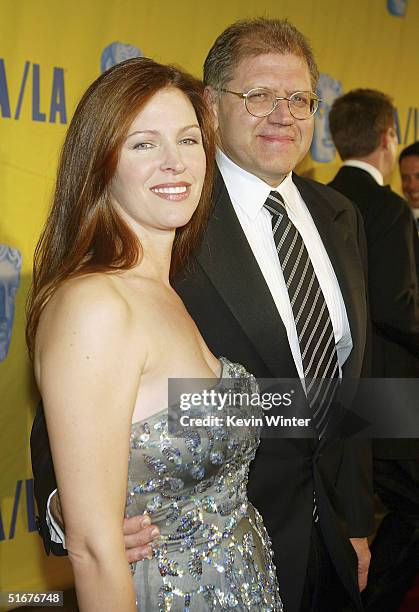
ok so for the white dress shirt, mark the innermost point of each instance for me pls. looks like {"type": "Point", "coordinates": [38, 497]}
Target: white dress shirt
{"type": "Point", "coordinates": [248, 195]}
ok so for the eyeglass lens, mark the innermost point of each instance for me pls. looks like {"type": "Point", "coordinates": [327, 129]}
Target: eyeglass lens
{"type": "Point", "coordinates": [261, 102]}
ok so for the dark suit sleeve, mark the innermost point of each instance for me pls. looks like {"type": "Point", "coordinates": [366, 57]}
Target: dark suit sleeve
{"type": "Point", "coordinates": [355, 487]}
{"type": "Point", "coordinates": [393, 281]}
{"type": "Point", "coordinates": [355, 477]}
{"type": "Point", "coordinates": [44, 478]}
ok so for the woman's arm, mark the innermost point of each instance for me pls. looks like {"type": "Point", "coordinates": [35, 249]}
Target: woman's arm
{"type": "Point", "coordinates": [88, 369]}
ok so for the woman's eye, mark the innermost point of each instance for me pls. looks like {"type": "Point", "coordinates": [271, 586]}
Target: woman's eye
{"type": "Point", "coordinates": [143, 145]}
{"type": "Point", "coordinates": [189, 141]}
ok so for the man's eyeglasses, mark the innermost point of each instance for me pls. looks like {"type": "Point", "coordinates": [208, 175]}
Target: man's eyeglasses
{"type": "Point", "coordinates": [261, 102]}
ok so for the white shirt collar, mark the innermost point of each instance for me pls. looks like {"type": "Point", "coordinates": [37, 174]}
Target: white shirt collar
{"type": "Point", "coordinates": [247, 190]}
{"type": "Point", "coordinates": [372, 170]}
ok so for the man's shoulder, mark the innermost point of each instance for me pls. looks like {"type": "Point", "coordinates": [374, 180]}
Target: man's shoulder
{"type": "Point", "coordinates": [354, 182]}
{"type": "Point", "coordinates": [396, 200]}
{"type": "Point", "coordinates": [398, 209]}
{"type": "Point", "coordinates": [386, 202]}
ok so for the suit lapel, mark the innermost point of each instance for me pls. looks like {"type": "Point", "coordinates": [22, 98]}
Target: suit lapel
{"type": "Point", "coordinates": [331, 219]}
{"type": "Point", "coordinates": [229, 262]}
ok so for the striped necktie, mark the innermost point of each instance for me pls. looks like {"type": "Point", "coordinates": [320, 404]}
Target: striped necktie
{"type": "Point", "coordinates": [311, 315]}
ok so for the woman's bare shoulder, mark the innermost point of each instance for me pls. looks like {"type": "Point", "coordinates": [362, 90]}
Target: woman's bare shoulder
{"type": "Point", "coordinates": [89, 305]}
{"type": "Point", "coordinates": [92, 294]}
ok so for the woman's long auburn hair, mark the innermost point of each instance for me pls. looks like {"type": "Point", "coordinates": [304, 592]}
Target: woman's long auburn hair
{"type": "Point", "coordinates": [83, 232]}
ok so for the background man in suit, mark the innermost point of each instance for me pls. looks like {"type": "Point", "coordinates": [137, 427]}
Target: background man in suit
{"type": "Point", "coordinates": [260, 77]}
{"type": "Point", "coordinates": [409, 173]}
{"type": "Point", "coordinates": [362, 128]}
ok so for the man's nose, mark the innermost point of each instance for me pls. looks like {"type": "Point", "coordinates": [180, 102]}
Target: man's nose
{"type": "Point", "coordinates": [281, 114]}
{"type": "Point", "coordinates": [172, 160]}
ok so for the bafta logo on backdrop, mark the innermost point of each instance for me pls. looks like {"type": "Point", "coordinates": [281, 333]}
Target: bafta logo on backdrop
{"type": "Point", "coordinates": [397, 7]}
{"type": "Point", "coordinates": [10, 265]}
{"type": "Point", "coordinates": [322, 148]}
{"type": "Point", "coordinates": [117, 52]}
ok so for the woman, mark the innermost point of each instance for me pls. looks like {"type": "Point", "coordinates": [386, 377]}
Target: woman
{"type": "Point", "coordinates": [107, 331]}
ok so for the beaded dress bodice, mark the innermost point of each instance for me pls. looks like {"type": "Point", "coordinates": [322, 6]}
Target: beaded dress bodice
{"type": "Point", "coordinates": [214, 552]}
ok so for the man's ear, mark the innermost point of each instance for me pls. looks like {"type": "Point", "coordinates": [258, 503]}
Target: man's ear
{"type": "Point", "coordinates": [211, 98]}
{"type": "Point", "coordinates": [387, 137]}
{"type": "Point", "coordinates": [384, 139]}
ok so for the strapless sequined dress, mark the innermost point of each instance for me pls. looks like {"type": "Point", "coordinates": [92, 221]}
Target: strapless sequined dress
{"type": "Point", "coordinates": [214, 553]}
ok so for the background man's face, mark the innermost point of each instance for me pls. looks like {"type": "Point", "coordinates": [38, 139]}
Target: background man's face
{"type": "Point", "coordinates": [409, 172]}
{"type": "Point", "coordinates": [268, 147]}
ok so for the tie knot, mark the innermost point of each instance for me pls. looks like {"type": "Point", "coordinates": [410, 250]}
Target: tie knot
{"type": "Point", "coordinates": [275, 204]}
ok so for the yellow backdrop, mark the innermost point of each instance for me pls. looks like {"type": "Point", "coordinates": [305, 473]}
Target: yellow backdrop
{"type": "Point", "coordinates": [49, 52]}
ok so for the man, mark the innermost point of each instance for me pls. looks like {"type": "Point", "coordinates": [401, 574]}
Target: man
{"type": "Point", "coordinates": [409, 173]}
{"type": "Point", "coordinates": [362, 127]}
{"type": "Point", "coordinates": [260, 76]}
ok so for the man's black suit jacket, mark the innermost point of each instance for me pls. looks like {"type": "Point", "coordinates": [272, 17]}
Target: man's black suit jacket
{"type": "Point", "coordinates": [225, 293]}
{"type": "Point", "coordinates": [393, 268]}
